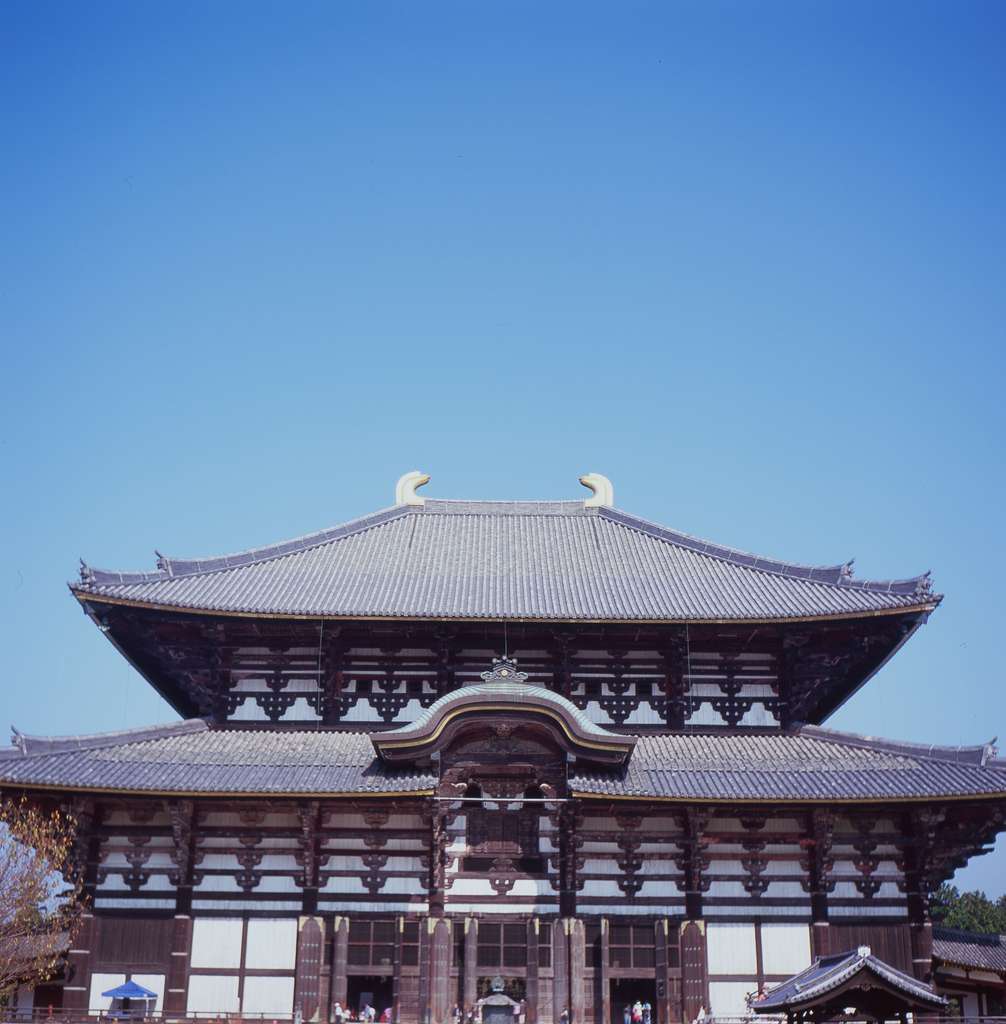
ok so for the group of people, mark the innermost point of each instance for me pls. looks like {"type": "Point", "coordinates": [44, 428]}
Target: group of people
{"type": "Point", "coordinates": [471, 1014]}
{"type": "Point", "coordinates": [367, 1015]}
{"type": "Point", "coordinates": [750, 999]}
{"type": "Point", "coordinates": [638, 1013]}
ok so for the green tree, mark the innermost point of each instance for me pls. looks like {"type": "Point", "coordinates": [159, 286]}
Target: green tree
{"type": "Point", "coordinates": [969, 911]}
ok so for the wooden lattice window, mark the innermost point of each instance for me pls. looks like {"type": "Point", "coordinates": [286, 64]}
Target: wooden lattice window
{"type": "Point", "coordinates": [371, 943]}
{"type": "Point", "coordinates": [631, 945]}
{"type": "Point", "coordinates": [496, 833]}
{"type": "Point", "coordinates": [502, 945]}
{"type": "Point", "coordinates": [410, 944]}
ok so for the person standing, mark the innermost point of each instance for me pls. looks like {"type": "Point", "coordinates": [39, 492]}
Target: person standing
{"type": "Point", "coordinates": [338, 1013]}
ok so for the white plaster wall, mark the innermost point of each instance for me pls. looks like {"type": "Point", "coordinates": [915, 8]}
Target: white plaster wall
{"type": "Point", "coordinates": [238, 905]}
{"type": "Point", "coordinates": [102, 983]}
{"type": "Point", "coordinates": [785, 948]}
{"type": "Point", "coordinates": [758, 714]}
{"type": "Point", "coordinates": [644, 715]}
{"type": "Point", "coordinates": [363, 907]}
{"type": "Point", "coordinates": [114, 902]}
{"type": "Point", "coordinates": [154, 982]}
{"type": "Point", "coordinates": [271, 945]}
{"type": "Point", "coordinates": [213, 993]}
{"type": "Point", "coordinates": [731, 949]}
{"type": "Point", "coordinates": [216, 942]}
{"type": "Point", "coordinates": [268, 995]}
{"type": "Point", "coordinates": [626, 907]}
{"type": "Point", "coordinates": [728, 998]}
{"type": "Point", "coordinates": [300, 711]}
{"type": "Point", "coordinates": [705, 715]}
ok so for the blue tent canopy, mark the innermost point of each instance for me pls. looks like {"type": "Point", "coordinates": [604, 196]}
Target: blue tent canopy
{"type": "Point", "coordinates": [129, 990]}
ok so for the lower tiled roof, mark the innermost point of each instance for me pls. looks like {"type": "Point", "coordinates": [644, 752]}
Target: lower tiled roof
{"type": "Point", "coordinates": [812, 764]}
{"type": "Point", "coordinates": [191, 757]}
{"type": "Point", "coordinates": [809, 765]}
{"type": "Point", "coordinates": [970, 949]}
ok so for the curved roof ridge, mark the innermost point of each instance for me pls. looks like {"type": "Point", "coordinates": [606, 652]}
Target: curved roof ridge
{"type": "Point", "coordinates": [980, 754]}
{"type": "Point", "coordinates": [839, 575]}
{"type": "Point", "coordinates": [510, 691]}
{"type": "Point", "coordinates": [168, 568]}
{"type": "Point", "coordinates": [495, 506]}
{"type": "Point", "coordinates": [24, 745]}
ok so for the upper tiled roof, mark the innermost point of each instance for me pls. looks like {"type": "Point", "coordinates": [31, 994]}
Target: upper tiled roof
{"type": "Point", "coordinates": [191, 757]}
{"type": "Point", "coordinates": [835, 973]}
{"type": "Point", "coordinates": [970, 949]}
{"type": "Point", "coordinates": [505, 560]}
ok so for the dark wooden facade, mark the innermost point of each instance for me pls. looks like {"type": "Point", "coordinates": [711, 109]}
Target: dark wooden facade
{"type": "Point", "coordinates": [379, 808]}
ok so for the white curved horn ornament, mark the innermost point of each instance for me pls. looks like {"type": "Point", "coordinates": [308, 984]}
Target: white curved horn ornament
{"type": "Point", "coordinates": [405, 489]}
{"type": "Point", "coordinates": [603, 491]}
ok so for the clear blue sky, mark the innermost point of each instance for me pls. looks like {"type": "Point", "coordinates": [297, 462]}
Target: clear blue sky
{"type": "Point", "coordinates": [257, 260]}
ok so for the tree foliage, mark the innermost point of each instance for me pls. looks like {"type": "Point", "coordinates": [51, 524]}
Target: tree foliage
{"type": "Point", "coordinates": [969, 911]}
{"type": "Point", "coordinates": [40, 892]}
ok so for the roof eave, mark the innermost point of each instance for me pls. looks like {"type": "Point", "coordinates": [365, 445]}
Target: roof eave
{"type": "Point", "coordinates": [84, 595]}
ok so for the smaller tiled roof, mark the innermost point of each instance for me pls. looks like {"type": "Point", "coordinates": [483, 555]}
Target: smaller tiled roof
{"type": "Point", "coordinates": [191, 757]}
{"type": "Point", "coordinates": [970, 949]}
{"type": "Point", "coordinates": [584, 737]}
{"type": "Point", "coordinates": [525, 560]}
{"type": "Point", "coordinates": [842, 972]}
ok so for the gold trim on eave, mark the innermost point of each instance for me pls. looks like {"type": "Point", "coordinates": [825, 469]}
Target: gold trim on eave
{"type": "Point", "coordinates": [85, 596]}
{"type": "Point", "coordinates": [478, 708]}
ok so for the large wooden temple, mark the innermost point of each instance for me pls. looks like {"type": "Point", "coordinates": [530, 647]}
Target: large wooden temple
{"type": "Point", "coordinates": [535, 753]}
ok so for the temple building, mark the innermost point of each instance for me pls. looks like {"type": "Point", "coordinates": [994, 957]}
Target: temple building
{"type": "Point", "coordinates": [517, 755]}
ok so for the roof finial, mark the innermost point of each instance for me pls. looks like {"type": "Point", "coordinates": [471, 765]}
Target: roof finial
{"type": "Point", "coordinates": [504, 670]}
{"type": "Point", "coordinates": [405, 489]}
{"type": "Point", "coordinates": [603, 491]}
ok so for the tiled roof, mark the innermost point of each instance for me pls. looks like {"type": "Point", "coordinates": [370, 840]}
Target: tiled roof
{"type": "Point", "coordinates": [505, 560]}
{"type": "Point", "coordinates": [833, 973]}
{"type": "Point", "coordinates": [585, 736]}
{"type": "Point", "coordinates": [970, 949]}
{"type": "Point", "coordinates": [812, 764]}
{"type": "Point", "coordinates": [191, 757]}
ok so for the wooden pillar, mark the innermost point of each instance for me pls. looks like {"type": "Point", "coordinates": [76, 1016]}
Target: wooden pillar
{"type": "Point", "coordinates": [569, 843]}
{"type": "Point", "coordinates": [440, 969]}
{"type": "Point", "coordinates": [396, 968]}
{"type": "Point", "coordinates": [307, 984]}
{"type": "Point", "coordinates": [176, 995]}
{"type": "Point", "coordinates": [602, 1006]}
{"type": "Point", "coordinates": [577, 970]}
{"type": "Point", "coordinates": [471, 967]}
{"type": "Point", "coordinates": [438, 860]}
{"type": "Point", "coordinates": [531, 988]}
{"type": "Point", "coordinates": [693, 968]}
{"type": "Point", "coordinates": [340, 956]}
{"type": "Point", "coordinates": [667, 1008]}
{"type": "Point", "coordinates": [922, 949]}
{"type": "Point", "coordinates": [820, 939]}
{"type": "Point", "coordinates": [78, 965]}
{"type": "Point", "coordinates": [560, 969]}
{"type": "Point", "coordinates": [84, 865]}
